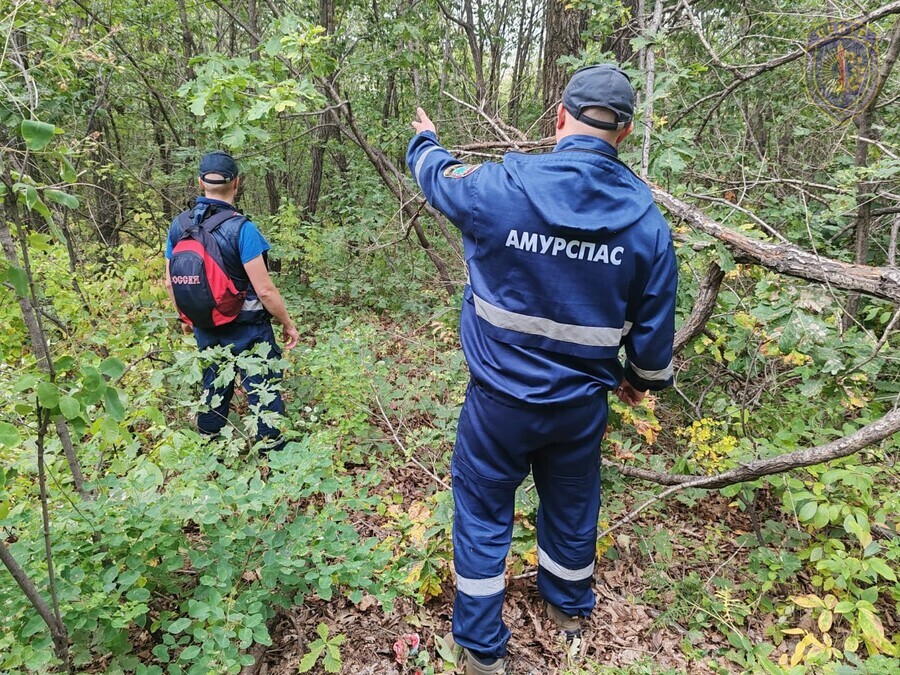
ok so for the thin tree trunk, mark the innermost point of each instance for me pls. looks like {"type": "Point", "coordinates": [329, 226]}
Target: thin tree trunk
{"type": "Point", "coordinates": [271, 179]}
{"type": "Point", "coordinates": [650, 64]}
{"type": "Point", "coordinates": [326, 133]}
{"type": "Point", "coordinates": [619, 41]}
{"type": "Point", "coordinates": [57, 631]}
{"type": "Point", "coordinates": [865, 189]}
{"type": "Point", "coordinates": [32, 318]}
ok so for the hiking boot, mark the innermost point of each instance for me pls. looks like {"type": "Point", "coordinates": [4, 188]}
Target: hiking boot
{"type": "Point", "coordinates": [471, 664]}
{"type": "Point", "coordinates": [569, 626]}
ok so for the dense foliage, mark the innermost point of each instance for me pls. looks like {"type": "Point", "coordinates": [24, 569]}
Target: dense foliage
{"type": "Point", "coordinates": [171, 554]}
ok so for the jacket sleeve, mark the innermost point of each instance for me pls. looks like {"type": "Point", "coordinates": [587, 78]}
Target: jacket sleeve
{"type": "Point", "coordinates": [648, 345]}
{"type": "Point", "coordinates": [429, 163]}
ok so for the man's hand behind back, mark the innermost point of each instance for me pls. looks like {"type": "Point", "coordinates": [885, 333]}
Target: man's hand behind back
{"type": "Point", "coordinates": [628, 394]}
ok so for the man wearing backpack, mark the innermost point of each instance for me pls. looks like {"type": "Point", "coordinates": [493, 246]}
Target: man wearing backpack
{"type": "Point", "coordinates": [204, 242]}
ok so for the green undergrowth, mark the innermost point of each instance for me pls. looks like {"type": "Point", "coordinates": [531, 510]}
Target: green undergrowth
{"type": "Point", "coordinates": [190, 548]}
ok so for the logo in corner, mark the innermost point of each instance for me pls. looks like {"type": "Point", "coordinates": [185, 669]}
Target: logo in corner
{"type": "Point", "coordinates": [841, 68]}
{"type": "Point", "coordinates": [460, 170]}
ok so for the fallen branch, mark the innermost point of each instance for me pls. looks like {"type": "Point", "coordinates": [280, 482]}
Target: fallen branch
{"type": "Point", "coordinates": [862, 438]}
{"type": "Point", "coordinates": [879, 282]}
{"type": "Point", "coordinates": [703, 307]}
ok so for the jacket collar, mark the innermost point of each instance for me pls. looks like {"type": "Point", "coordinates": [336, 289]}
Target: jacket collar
{"type": "Point", "coordinates": [209, 201]}
{"type": "Point", "coordinates": [577, 141]}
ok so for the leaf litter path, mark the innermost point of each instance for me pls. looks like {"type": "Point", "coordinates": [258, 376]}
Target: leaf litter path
{"type": "Point", "coordinates": [621, 631]}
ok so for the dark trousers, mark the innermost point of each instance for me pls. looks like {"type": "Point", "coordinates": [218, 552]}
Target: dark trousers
{"type": "Point", "coordinates": [241, 338]}
{"type": "Point", "coordinates": [498, 441]}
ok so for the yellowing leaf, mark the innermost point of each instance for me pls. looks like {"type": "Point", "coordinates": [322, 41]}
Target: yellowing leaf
{"type": "Point", "coordinates": [810, 601]}
{"type": "Point", "coordinates": [530, 556]}
{"type": "Point", "coordinates": [825, 620]}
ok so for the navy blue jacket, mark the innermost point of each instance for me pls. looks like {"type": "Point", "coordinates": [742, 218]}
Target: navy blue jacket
{"type": "Point", "coordinates": [568, 259]}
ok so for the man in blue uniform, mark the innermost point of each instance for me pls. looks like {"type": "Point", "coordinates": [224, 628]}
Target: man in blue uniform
{"type": "Point", "coordinates": [568, 259]}
{"type": "Point", "coordinates": [244, 253]}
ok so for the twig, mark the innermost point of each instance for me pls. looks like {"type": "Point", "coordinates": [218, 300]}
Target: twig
{"type": "Point", "coordinates": [752, 216]}
{"type": "Point", "coordinates": [400, 444]}
{"type": "Point", "coordinates": [490, 120]}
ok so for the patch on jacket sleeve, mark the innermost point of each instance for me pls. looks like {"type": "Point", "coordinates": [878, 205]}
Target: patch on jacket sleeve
{"type": "Point", "coordinates": [460, 170]}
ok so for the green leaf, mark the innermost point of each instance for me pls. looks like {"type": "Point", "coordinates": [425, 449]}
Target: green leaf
{"type": "Point", "coordinates": [857, 524]}
{"type": "Point", "coordinates": [48, 395]}
{"type": "Point", "coordinates": [872, 629]}
{"type": "Point", "coordinates": [35, 624]}
{"type": "Point", "coordinates": [881, 567]}
{"type": "Point", "coordinates": [18, 279]}
{"type": "Point", "coordinates": [93, 384]}
{"type": "Point", "coordinates": [179, 625]}
{"type": "Point", "coordinates": [25, 383]}
{"type": "Point", "coordinates": [69, 407]}
{"type": "Point", "coordinates": [114, 404]}
{"type": "Point", "coordinates": [189, 653]}
{"type": "Point", "coordinates": [807, 511]}
{"type": "Point", "coordinates": [138, 594]}
{"type": "Point", "coordinates": [844, 607]}
{"type": "Point", "coordinates": [37, 134]}
{"type": "Point", "coordinates": [63, 198]}
{"type": "Point", "coordinates": [67, 171]}
{"type": "Point", "coordinates": [113, 368]}
{"type": "Point", "coordinates": [234, 137]}
{"type": "Point", "coordinates": [332, 664]}
{"type": "Point", "coordinates": [4, 509]}
{"type": "Point", "coordinates": [273, 46]}
{"type": "Point", "coordinates": [9, 435]}
{"type": "Point", "coordinates": [308, 661]}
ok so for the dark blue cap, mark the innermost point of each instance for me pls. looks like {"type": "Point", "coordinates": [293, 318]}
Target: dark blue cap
{"type": "Point", "coordinates": [600, 86]}
{"type": "Point", "coordinates": [221, 163]}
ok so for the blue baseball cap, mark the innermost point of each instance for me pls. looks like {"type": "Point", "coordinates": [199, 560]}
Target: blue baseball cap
{"type": "Point", "coordinates": [220, 163]}
{"type": "Point", "coordinates": [600, 86]}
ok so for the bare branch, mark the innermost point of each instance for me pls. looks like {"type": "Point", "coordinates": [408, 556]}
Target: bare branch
{"type": "Point", "coordinates": [862, 438]}
{"type": "Point", "coordinates": [755, 70]}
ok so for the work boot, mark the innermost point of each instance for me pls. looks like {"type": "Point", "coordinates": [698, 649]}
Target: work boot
{"type": "Point", "coordinates": [472, 664]}
{"type": "Point", "coordinates": [569, 626]}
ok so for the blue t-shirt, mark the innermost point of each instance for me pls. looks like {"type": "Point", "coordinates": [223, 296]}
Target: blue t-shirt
{"type": "Point", "coordinates": [251, 242]}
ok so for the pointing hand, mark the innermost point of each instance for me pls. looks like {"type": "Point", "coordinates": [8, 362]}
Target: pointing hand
{"type": "Point", "coordinates": [422, 122]}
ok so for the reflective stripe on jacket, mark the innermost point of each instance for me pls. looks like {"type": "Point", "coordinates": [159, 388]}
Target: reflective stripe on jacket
{"type": "Point", "coordinates": [568, 259]}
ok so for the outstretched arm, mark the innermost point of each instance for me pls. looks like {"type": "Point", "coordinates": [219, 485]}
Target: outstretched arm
{"type": "Point", "coordinates": [445, 181]}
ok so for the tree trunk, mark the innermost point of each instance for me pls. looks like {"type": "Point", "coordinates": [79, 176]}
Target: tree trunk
{"type": "Point", "coordinates": [562, 37]}
{"type": "Point", "coordinates": [327, 132]}
{"type": "Point", "coordinates": [619, 41]}
{"type": "Point", "coordinates": [865, 189]}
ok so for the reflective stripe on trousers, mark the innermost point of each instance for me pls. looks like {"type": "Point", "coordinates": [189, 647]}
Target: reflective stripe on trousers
{"type": "Point", "coordinates": [496, 445]}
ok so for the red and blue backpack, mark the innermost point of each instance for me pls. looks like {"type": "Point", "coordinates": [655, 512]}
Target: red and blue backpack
{"type": "Point", "coordinates": [205, 295]}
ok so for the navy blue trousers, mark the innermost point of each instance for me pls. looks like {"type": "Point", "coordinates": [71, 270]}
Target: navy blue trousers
{"type": "Point", "coordinates": [240, 338]}
{"type": "Point", "coordinates": [498, 441]}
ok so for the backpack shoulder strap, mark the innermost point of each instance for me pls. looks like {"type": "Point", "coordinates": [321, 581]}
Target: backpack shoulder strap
{"type": "Point", "coordinates": [184, 220]}
{"type": "Point", "coordinates": [213, 223]}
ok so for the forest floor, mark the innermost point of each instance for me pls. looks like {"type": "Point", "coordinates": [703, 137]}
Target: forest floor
{"type": "Point", "coordinates": [623, 635]}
